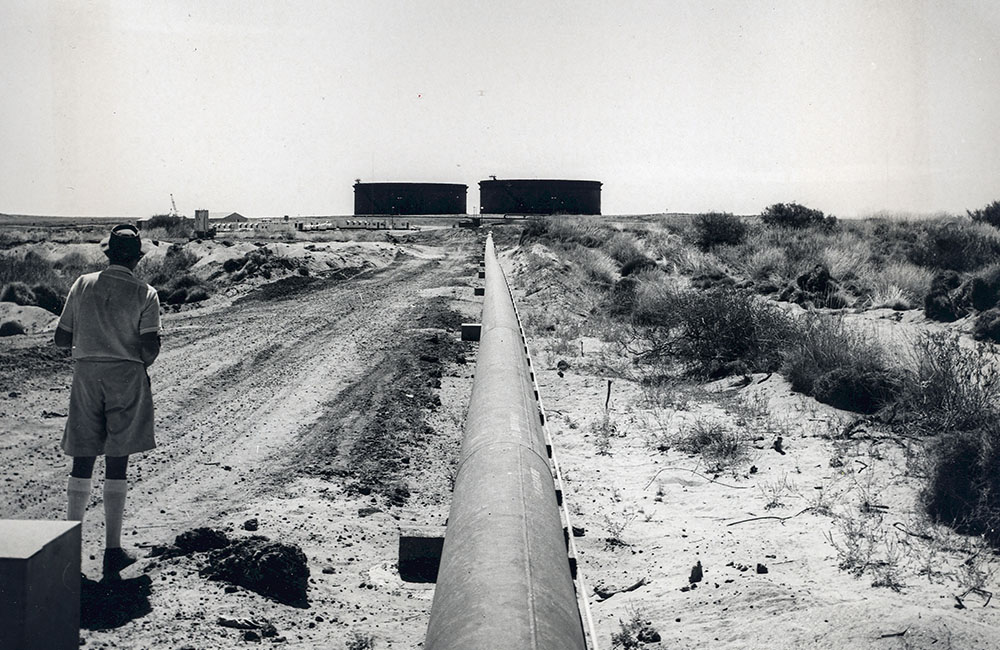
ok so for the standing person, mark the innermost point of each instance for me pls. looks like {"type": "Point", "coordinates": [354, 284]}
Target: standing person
{"type": "Point", "coordinates": [112, 323]}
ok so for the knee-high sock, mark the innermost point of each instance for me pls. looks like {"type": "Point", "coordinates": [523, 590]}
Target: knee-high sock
{"type": "Point", "coordinates": [114, 510]}
{"type": "Point", "coordinates": [77, 496]}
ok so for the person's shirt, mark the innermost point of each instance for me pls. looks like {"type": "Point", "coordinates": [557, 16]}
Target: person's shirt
{"type": "Point", "coordinates": [107, 312]}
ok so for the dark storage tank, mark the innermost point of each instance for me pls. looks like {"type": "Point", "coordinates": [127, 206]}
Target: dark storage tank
{"type": "Point", "coordinates": [540, 197]}
{"type": "Point", "coordinates": [409, 198]}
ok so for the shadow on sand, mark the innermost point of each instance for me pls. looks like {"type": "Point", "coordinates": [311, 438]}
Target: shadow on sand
{"type": "Point", "coordinates": [113, 603]}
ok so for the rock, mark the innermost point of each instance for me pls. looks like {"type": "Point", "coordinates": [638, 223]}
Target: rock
{"type": "Point", "coordinates": [200, 540]}
{"type": "Point", "coordinates": [578, 531]}
{"type": "Point", "coordinates": [815, 281]}
{"type": "Point", "coordinates": [696, 573]}
{"type": "Point", "coordinates": [761, 568]}
{"type": "Point", "coordinates": [251, 524]}
{"type": "Point", "coordinates": [272, 569]}
{"type": "Point", "coordinates": [648, 634]}
{"type": "Point", "coordinates": [563, 365]}
{"type": "Point", "coordinates": [712, 280]}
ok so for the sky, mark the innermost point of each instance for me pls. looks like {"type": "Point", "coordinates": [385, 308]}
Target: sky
{"type": "Point", "coordinates": [271, 108]}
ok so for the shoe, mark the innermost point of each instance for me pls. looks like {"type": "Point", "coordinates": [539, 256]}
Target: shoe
{"type": "Point", "coordinates": [116, 559]}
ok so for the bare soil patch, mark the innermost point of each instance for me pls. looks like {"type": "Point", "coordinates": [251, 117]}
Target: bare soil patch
{"type": "Point", "coordinates": [738, 513]}
{"type": "Point", "coordinates": [253, 397]}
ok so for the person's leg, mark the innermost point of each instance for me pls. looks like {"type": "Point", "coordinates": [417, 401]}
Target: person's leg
{"type": "Point", "coordinates": [83, 437]}
{"type": "Point", "coordinates": [78, 487]}
{"type": "Point", "coordinates": [129, 407]}
{"type": "Point", "coordinates": [115, 488]}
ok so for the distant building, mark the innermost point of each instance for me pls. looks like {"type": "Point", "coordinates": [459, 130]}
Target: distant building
{"type": "Point", "coordinates": [409, 198]}
{"type": "Point", "coordinates": [539, 196]}
{"type": "Point", "coordinates": [232, 217]}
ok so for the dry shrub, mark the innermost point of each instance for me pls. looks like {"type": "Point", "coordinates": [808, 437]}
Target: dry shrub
{"type": "Point", "coordinates": [18, 293]}
{"type": "Point", "coordinates": [596, 265]}
{"type": "Point", "coordinates": [953, 396]}
{"type": "Point", "coordinates": [953, 387]}
{"type": "Point", "coordinates": [49, 298]}
{"type": "Point", "coordinates": [983, 288]}
{"type": "Point", "coordinates": [963, 489]}
{"type": "Point", "coordinates": [765, 264]}
{"type": "Point", "coordinates": [584, 231]}
{"type": "Point", "coordinates": [638, 265]}
{"type": "Point", "coordinates": [990, 214]}
{"type": "Point", "coordinates": [665, 247]}
{"type": "Point", "coordinates": [721, 445]}
{"type": "Point", "coordinates": [793, 215]}
{"type": "Point", "coordinates": [987, 326]}
{"type": "Point", "coordinates": [31, 279]}
{"type": "Point", "coordinates": [847, 256]}
{"type": "Point", "coordinates": [30, 268]}
{"type": "Point", "coordinates": [710, 333]}
{"type": "Point", "coordinates": [155, 234]}
{"type": "Point", "coordinates": [956, 245]}
{"type": "Point", "coordinates": [161, 271]}
{"type": "Point", "coordinates": [898, 283]}
{"type": "Point", "coordinates": [943, 301]}
{"type": "Point", "coordinates": [75, 264]}
{"type": "Point", "coordinates": [717, 229]}
{"type": "Point", "coordinates": [169, 276]}
{"type": "Point", "coordinates": [623, 247]}
{"type": "Point", "coordinates": [173, 227]}
{"type": "Point", "coordinates": [11, 328]}
{"type": "Point", "coordinates": [890, 296]}
{"type": "Point", "coordinates": [840, 366]}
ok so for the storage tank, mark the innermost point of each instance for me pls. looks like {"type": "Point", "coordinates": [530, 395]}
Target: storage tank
{"type": "Point", "coordinates": [540, 197]}
{"type": "Point", "coordinates": [409, 198]}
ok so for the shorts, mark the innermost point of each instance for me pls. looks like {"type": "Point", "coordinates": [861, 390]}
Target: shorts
{"type": "Point", "coordinates": [110, 410]}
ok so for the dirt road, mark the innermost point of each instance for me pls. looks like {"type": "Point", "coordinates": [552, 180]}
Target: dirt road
{"type": "Point", "coordinates": [260, 405]}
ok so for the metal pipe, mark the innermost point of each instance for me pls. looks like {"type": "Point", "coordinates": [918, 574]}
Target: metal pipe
{"type": "Point", "coordinates": [504, 579]}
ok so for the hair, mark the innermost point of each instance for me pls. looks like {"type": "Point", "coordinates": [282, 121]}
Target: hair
{"type": "Point", "coordinates": [121, 258]}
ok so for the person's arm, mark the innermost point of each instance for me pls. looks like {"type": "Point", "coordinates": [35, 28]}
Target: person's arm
{"type": "Point", "coordinates": [149, 328]}
{"type": "Point", "coordinates": [63, 338]}
{"type": "Point", "coordinates": [150, 348]}
{"type": "Point", "coordinates": [64, 328]}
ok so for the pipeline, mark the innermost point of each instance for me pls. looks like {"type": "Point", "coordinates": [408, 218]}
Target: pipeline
{"type": "Point", "coordinates": [504, 581]}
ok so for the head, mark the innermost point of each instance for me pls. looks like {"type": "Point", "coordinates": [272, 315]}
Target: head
{"type": "Point", "coordinates": [123, 246]}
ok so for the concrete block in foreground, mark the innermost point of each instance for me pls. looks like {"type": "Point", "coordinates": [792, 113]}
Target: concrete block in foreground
{"type": "Point", "coordinates": [39, 584]}
{"type": "Point", "coordinates": [420, 552]}
{"type": "Point", "coordinates": [479, 291]}
{"type": "Point", "coordinates": [471, 331]}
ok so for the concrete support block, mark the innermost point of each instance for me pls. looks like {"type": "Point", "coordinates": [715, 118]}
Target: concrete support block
{"type": "Point", "coordinates": [482, 275]}
{"type": "Point", "coordinates": [420, 552]}
{"type": "Point", "coordinates": [479, 291]}
{"type": "Point", "coordinates": [39, 584]}
{"type": "Point", "coordinates": [471, 331]}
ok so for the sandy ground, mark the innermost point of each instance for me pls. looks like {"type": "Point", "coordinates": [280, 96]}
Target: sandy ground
{"type": "Point", "coordinates": [765, 531]}
{"type": "Point", "coordinates": [239, 385]}
{"type": "Point", "coordinates": [306, 408]}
